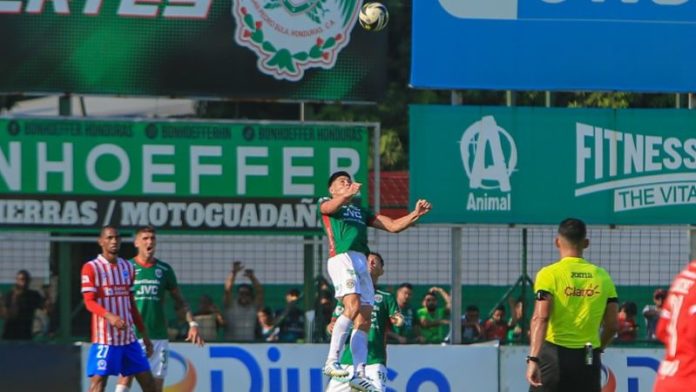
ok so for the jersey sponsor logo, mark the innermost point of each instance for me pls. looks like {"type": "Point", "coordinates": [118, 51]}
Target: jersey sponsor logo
{"type": "Point", "coordinates": [85, 278]}
{"type": "Point", "coordinates": [352, 213]}
{"type": "Point", "coordinates": [489, 156]}
{"type": "Point", "coordinates": [350, 283]}
{"type": "Point", "coordinates": [581, 292]}
{"type": "Point", "coordinates": [158, 273]}
{"type": "Point", "coordinates": [581, 275]}
{"type": "Point", "coordinates": [147, 289]}
{"type": "Point", "coordinates": [118, 291]}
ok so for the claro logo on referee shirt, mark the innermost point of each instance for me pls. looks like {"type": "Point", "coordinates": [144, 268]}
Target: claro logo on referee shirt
{"type": "Point", "coordinates": [581, 292]}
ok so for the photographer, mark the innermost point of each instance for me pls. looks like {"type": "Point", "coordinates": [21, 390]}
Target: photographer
{"type": "Point", "coordinates": [240, 313]}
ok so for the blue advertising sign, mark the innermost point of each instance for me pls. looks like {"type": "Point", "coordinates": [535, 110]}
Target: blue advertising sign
{"type": "Point", "coordinates": [627, 45]}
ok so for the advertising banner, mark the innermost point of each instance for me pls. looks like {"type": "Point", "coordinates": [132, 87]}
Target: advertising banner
{"type": "Point", "coordinates": [247, 49]}
{"type": "Point", "coordinates": [623, 369]}
{"type": "Point", "coordinates": [177, 175]}
{"type": "Point", "coordinates": [295, 368]}
{"type": "Point", "coordinates": [541, 165]}
{"type": "Point", "coordinates": [606, 45]}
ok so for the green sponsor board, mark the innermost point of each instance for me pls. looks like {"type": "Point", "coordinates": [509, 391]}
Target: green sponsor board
{"type": "Point", "coordinates": [540, 165]}
{"type": "Point", "coordinates": [176, 175]}
{"type": "Point", "coordinates": [275, 49]}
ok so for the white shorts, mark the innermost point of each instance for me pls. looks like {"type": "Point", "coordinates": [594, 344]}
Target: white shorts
{"type": "Point", "coordinates": [377, 373]}
{"type": "Point", "coordinates": [159, 360]}
{"type": "Point", "coordinates": [350, 275]}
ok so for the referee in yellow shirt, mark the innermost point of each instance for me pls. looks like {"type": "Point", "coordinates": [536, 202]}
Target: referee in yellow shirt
{"type": "Point", "coordinates": [573, 299]}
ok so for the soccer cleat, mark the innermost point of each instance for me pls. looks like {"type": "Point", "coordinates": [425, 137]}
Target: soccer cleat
{"type": "Point", "coordinates": [334, 370]}
{"type": "Point", "coordinates": [362, 384]}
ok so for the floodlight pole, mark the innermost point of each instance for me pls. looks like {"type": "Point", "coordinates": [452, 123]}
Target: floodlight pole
{"type": "Point", "coordinates": [456, 261]}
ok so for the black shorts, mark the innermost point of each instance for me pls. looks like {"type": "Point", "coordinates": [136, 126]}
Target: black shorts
{"type": "Point", "coordinates": [564, 370]}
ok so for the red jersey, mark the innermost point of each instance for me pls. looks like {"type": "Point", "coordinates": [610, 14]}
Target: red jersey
{"type": "Point", "coordinates": [677, 330]}
{"type": "Point", "coordinates": [111, 283]}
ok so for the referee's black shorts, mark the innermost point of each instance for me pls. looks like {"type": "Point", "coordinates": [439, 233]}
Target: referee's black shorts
{"type": "Point", "coordinates": [564, 370]}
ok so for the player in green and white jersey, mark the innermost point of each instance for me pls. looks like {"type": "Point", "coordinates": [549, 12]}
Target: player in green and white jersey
{"type": "Point", "coordinates": [346, 222]}
{"type": "Point", "coordinates": [385, 313]}
{"type": "Point", "coordinates": [153, 279]}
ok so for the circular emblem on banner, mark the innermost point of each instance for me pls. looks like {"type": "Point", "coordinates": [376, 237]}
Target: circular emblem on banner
{"type": "Point", "coordinates": [248, 133]}
{"type": "Point", "coordinates": [13, 128]}
{"type": "Point", "coordinates": [151, 131]}
{"type": "Point", "coordinates": [291, 36]}
{"type": "Point", "coordinates": [350, 283]}
{"type": "Point", "coordinates": [158, 273]}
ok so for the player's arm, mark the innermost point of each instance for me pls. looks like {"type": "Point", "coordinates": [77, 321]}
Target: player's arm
{"type": "Point", "coordinates": [180, 303]}
{"type": "Point", "coordinates": [540, 322]}
{"type": "Point", "coordinates": [329, 206]}
{"type": "Point", "coordinates": [140, 325]}
{"type": "Point", "coordinates": [397, 225]}
{"type": "Point", "coordinates": [89, 295]}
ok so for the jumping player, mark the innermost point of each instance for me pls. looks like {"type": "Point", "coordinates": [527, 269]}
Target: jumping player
{"type": "Point", "coordinates": [345, 223]}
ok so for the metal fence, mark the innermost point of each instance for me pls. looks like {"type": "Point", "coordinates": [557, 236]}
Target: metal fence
{"type": "Point", "coordinates": [491, 256]}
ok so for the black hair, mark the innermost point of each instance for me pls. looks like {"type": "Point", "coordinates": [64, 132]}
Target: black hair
{"type": "Point", "coordinates": [294, 292]}
{"type": "Point", "coordinates": [107, 227]}
{"type": "Point", "coordinates": [472, 308]}
{"type": "Point", "coordinates": [340, 173]}
{"type": "Point", "coordinates": [405, 284]}
{"type": "Point", "coordinates": [381, 259]}
{"type": "Point", "coordinates": [573, 230]}
{"type": "Point", "coordinates": [630, 308]}
{"type": "Point", "coordinates": [26, 274]}
{"type": "Point", "coordinates": [501, 308]}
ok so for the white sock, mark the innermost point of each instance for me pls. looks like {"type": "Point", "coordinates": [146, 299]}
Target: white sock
{"type": "Point", "coordinates": [338, 337]}
{"type": "Point", "coordinates": [121, 388]}
{"type": "Point", "coordinates": [358, 347]}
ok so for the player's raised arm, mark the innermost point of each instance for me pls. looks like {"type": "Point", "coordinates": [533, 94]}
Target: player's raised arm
{"type": "Point", "coordinates": [397, 225]}
{"type": "Point", "coordinates": [342, 192]}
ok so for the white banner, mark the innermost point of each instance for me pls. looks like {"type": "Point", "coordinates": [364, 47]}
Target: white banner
{"type": "Point", "coordinates": [297, 368]}
{"type": "Point", "coordinates": [624, 369]}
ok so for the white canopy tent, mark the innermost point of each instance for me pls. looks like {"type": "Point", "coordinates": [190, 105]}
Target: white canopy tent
{"type": "Point", "coordinates": [106, 107]}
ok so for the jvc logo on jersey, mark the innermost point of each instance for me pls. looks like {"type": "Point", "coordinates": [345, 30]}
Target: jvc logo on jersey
{"type": "Point", "coordinates": [489, 156]}
{"type": "Point", "coordinates": [353, 214]}
{"type": "Point", "coordinates": [147, 289]}
{"type": "Point", "coordinates": [580, 10]}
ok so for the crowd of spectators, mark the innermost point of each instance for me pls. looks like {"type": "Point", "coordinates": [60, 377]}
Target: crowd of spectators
{"type": "Point", "coordinates": [28, 314]}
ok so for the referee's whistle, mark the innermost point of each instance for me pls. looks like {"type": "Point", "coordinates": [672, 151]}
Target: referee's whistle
{"type": "Point", "coordinates": [588, 354]}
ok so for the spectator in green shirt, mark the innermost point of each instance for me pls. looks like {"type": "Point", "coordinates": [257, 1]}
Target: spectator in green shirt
{"type": "Point", "coordinates": [434, 320]}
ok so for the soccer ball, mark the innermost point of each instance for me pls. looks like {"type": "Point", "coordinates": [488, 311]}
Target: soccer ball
{"type": "Point", "coordinates": [373, 16]}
